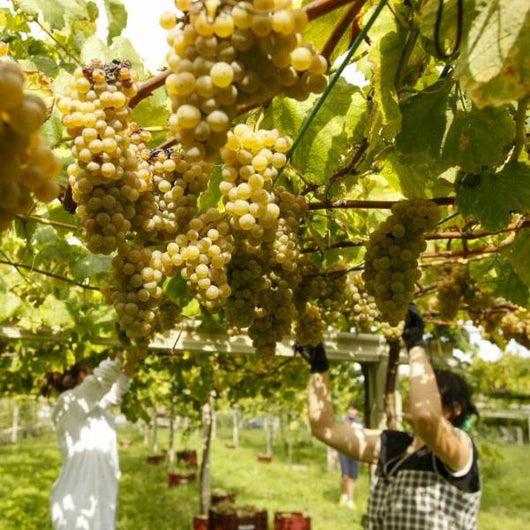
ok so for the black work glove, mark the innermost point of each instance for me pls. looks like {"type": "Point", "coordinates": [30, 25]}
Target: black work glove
{"type": "Point", "coordinates": [414, 325]}
{"type": "Point", "coordinates": [315, 356]}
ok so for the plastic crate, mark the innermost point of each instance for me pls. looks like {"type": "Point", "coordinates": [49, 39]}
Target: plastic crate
{"type": "Point", "coordinates": [291, 521]}
{"type": "Point", "coordinates": [188, 457]}
{"type": "Point", "coordinates": [229, 521]}
{"type": "Point", "coordinates": [179, 479]}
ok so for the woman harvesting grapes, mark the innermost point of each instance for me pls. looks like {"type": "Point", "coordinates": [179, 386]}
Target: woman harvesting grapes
{"type": "Point", "coordinates": [426, 480]}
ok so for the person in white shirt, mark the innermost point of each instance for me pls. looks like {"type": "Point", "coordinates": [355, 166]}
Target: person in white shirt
{"type": "Point", "coordinates": [85, 495]}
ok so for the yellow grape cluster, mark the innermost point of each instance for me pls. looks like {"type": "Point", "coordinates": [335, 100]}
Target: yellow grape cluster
{"type": "Point", "coordinates": [252, 161]}
{"type": "Point", "coordinates": [309, 326]}
{"type": "Point", "coordinates": [202, 254]}
{"type": "Point", "coordinates": [168, 315]}
{"type": "Point", "coordinates": [28, 165]}
{"type": "Point", "coordinates": [139, 139]}
{"type": "Point", "coordinates": [360, 309]}
{"type": "Point", "coordinates": [326, 289]}
{"type": "Point", "coordinates": [224, 54]}
{"type": "Point", "coordinates": [104, 177]}
{"type": "Point", "coordinates": [391, 266]}
{"type": "Point", "coordinates": [176, 184]}
{"type": "Point", "coordinates": [516, 326]}
{"type": "Point", "coordinates": [450, 288]}
{"type": "Point", "coordinates": [247, 278]}
{"type": "Point", "coordinates": [275, 314]}
{"type": "Point", "coordinates": [135, 293]}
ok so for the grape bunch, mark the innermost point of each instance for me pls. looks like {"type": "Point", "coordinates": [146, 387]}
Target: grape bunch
{"type": "Point", "coordinates": [310, 326]}
{"type": "Point", "coordinates": [252, 161]}
{"type": "Point", "coordinates": [392, 253]}
{"type": "Point", "coordinates": [360, 310]}
{"type": "Point", "coordinates": [135, 294]}
{"type": "Point", "coordinates": [176, 184]}
{"type": "Point", "coordinates": [202, 254]}
{"type": "Point", "coordinates": [104, 177]}
{"type": "Point", "coordinates": [224, 54]}
{"type": "Point", "coordinates": [450, 288]}
{"type": "Point", "coordinates": [168, 315]}
{"type": "Point", "coordinates": [516, 325]}
{"type": "Point", "coordinates": [28, 166]}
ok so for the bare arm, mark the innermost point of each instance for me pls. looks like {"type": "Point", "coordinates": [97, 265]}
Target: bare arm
{"type": "Point", "coordinates": [429, 419]}
{"type": "Point", "coordinates": [359, 443]}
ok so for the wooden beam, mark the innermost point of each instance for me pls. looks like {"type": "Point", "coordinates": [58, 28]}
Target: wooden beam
{"type": "Point", "coordinates": [339, 345]}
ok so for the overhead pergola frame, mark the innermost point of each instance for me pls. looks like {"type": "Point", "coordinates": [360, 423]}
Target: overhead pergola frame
{"type": "Point", "coordinates": [371, 351]}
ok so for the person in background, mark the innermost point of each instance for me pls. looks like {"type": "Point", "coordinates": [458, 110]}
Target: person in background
{"type": "Point", "coordinates": [349, 467]}
{"type": "Point", "coordinates": [423, 480]}
{"type": "Point", "coordinates": [85, 495]}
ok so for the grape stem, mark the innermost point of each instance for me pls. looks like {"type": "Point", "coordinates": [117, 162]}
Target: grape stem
{"type": "Point", "coordinates": [44, 221]}
{"type": "Point", "coordinates": [319, 8]}
{"type": "Point", "coordinates": [48, 274]}
{"type": "Point", "coordinates": [146, 88]}
{"type": "Point", "coordinates": [342, 25]}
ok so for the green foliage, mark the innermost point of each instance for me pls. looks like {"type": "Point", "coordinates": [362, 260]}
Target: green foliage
{"type": "Point", "coordinates": [492, 197]}
{"type": "Point", "coordinates": [493, 66]}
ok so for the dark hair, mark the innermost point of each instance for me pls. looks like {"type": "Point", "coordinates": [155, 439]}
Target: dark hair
{"type": "Point", "coordinates": [62, 381]}
{"type": "Point", "coordinates": [352, 405]}
{"type": "Point", "coordinates": [454, 391]}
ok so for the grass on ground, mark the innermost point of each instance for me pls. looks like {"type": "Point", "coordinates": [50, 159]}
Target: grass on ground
{"type": "Point", "coordinates": [28, 469]}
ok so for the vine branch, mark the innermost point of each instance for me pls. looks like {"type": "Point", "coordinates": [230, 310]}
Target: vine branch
{"type": "Point", "coordinates": [342, 25]}
{"type": "Point", "coordinates": [319, 8]}
{"type": "Point", "coordinates": [381, 205]}
{"type": "Point", "coordinates": [48, 274]}
{"type": "Point", "coordinates": [45, 221]}
{"type": "Point", "coordinates": [147, 87]}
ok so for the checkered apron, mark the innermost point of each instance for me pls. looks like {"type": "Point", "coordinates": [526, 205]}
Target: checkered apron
{"type": "Point", "coordinates": [416, 499]}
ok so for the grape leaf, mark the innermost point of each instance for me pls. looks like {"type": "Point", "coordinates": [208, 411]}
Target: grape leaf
{"type": "Point", "coordinates": [388, 41]}
{"type": "Point", "coordinates": [519, 255]}
{"type": "Point", "coordinates": [122, 48]}
{"type": "Point", "coordinates": [493, 66]}
{"type": "Point", "coordinates": [211, 196]}
{"type": "Point", "coordinates": [55, 12]}
{"type": "Point", "coordinates": [52, 129]}
{"type": "Point", "coordinates": [9, 306]}
{"type": "Point", "coordinates": [90, 266]}
{"type": "Point", "coordinates": [492, 197]}
{"type": "Point", "coordinates": [117, 16]}
{"type": "Point", "coordinates": [497, 274]}
{"type": "Point", "coordinates": [339, 122]}
{"type": "Point", "coordinates": [94, 48]}
{"type": "Point", "coordinates": [54, 312]}
{"type": "Point", "coordinates": [440, 129]}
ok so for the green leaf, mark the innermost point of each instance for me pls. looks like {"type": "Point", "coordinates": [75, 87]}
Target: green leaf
{"type": "Point", "coordinates": [152, 111]}
{"type": "Point", "coordinates": [438, 129]}
{"type": "Point", "coordinates": [211, 196]}
{"type": "Point", "coordinates": [519, 255]}
{"type": "Point", "coordinates": [388, 42]}
{"type": "Point", "coordinates": [491, 198]}
{"type": "Point", "coordinates": [53, 11]}
{"type": "Point", "coordinates": [339, 123]}
{"type": "Point", "coordinates": [90, 266]}
{"type": "Point", "coordinates": [52, 128]}
{"type": "Point", "coordinates": [122, 48]}
{"type": "Point", "coordinates": [117, 16]}
{"type": "Point", "coordinates": [55, 312]}
{"type": "Point", "coordinates": [478, 138]}
{"type": "Point", "coordinates": [498, 275]}
{"type": "Point", "coordinates": [9, 305]}
{"type": "Point", "coordinates": [493, 66]}
{"type": "Point", "coordinates": [94, 48]}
